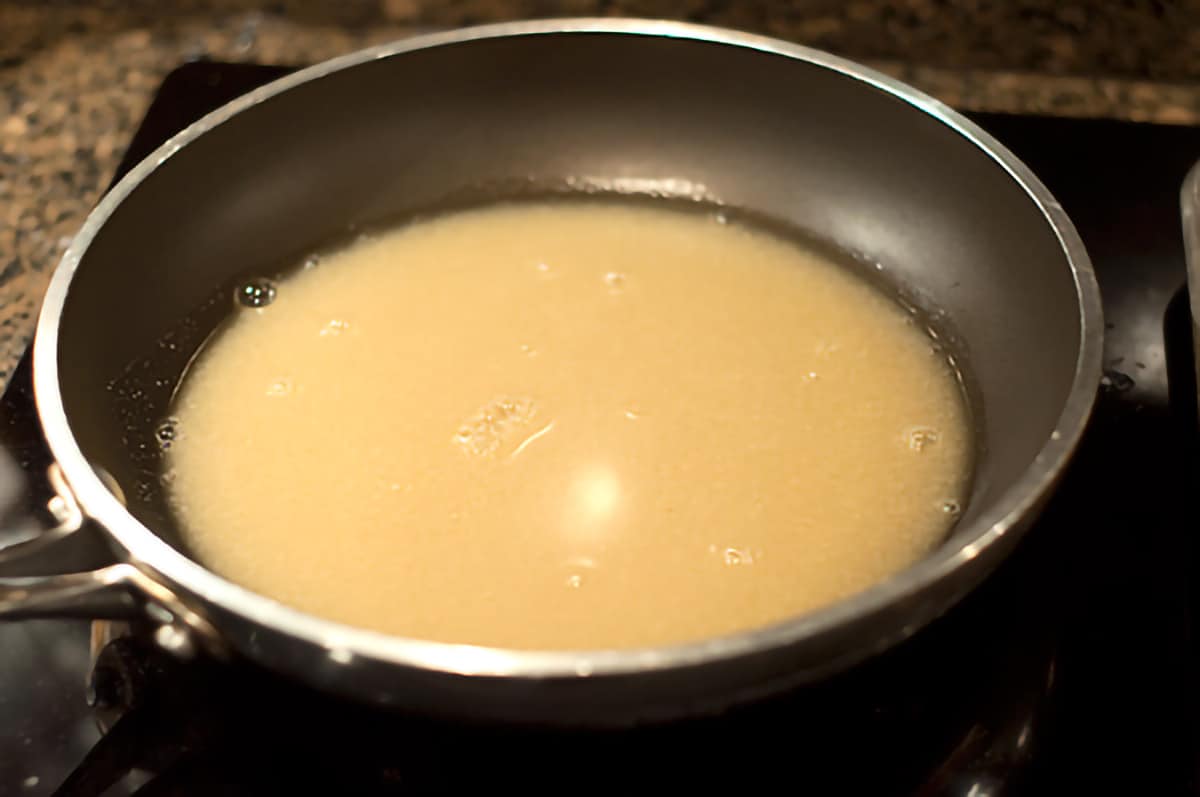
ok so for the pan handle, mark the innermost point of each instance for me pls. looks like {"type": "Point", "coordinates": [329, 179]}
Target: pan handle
{"type": "Point", "coordinates": [116, 592]}
{"type": "Point", "coordinates": [119, 591]}
{"type": "Point", "coordinates": [104, 594]}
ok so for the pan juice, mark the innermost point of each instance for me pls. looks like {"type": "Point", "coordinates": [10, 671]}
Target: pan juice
{"type": "Point", "coordinates": [567, 425]}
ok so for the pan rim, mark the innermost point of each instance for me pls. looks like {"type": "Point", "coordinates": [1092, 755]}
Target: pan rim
{"type": "Point", "coordinates": [1002, 519]}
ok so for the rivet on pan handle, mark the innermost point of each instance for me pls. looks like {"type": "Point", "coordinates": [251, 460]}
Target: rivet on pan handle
{"type": "Point", "coordinates": [26, 535]}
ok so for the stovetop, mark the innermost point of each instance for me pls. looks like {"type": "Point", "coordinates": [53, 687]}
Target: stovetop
{"type": "Point", "coordinates": [1068, 671]}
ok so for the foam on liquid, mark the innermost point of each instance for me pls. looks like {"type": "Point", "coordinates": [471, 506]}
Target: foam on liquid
{"type": "Point", "coordinates": [566, 426]}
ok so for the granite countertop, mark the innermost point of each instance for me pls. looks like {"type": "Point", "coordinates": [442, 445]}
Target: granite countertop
{"type": "Point", "coordinates": [76, 77]}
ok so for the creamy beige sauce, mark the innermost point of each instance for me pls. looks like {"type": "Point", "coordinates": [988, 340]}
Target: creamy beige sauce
{"type": "Point", "coordinates": [568, 425]}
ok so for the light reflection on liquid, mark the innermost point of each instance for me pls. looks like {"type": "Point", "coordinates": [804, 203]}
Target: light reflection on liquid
{"type": "Point", "coordinates": [594, 498]}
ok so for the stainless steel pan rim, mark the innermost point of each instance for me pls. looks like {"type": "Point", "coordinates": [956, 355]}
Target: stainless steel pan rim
{"type": "Point", "coordinates": [161, 561]}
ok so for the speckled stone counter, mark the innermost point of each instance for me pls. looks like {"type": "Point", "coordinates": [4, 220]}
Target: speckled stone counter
{"type": "Point", "coordinates": [75, 77]}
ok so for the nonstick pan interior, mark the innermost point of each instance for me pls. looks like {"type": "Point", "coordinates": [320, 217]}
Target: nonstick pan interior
{"type": "Point", "coordinates": [795, 142]}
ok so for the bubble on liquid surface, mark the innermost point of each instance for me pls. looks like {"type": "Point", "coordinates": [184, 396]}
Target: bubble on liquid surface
{"type": "Point", "coordinates": [615, 281]}
{"type": "Point", "coordinates": [280, 388]}
{"type": "Point", "coordinates": [721, 217]}
{"type": "Point", "coordinates": [144, 490]}
{"type": "Point", "coordinates": [495, 425]}
{"type": "Point", "coordinates": [255, 293]}
{"type": "Point", "coordinates": [920, 437]}
{"type": "Point", "coordinates": [735, 557]}
{"type": "Point", "coordinates": [166, 433]}
{"type": "Point", "coordinates": [334, 327]}
{"type": "Point", "coordinates": [312, 261]}
{"type": "Point", "coordinates": [951, 507]}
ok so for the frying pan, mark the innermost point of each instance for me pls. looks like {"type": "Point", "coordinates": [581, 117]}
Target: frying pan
{"type": "Point", "coordinates": [949, 217]}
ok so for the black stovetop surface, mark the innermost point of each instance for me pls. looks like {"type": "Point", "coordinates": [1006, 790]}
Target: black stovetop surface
{"type": "Point", "coordinates": [1069, 671]}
